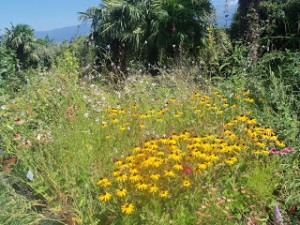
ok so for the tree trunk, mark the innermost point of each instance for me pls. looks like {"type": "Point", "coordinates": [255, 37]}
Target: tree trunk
{"type": "Point", "coordinates": [249, 19]}
{"type": "Point", "coordinates": [249, 24]}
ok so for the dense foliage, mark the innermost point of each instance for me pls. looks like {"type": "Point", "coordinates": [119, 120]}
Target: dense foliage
{"type": "Point", "coordinates": [7, 68]}
{"type": "Point", "coordinates": [275, 23]}
{"type": "Point", "coordinates": [149, 31]}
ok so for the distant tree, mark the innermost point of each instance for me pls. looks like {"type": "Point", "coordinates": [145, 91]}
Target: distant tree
{"type": "Point", "coordinates": [43, 54]}
{"type": "Point", "coordinates": [20, 39]}
{"type": "Point", "coordinates": [30, 52]}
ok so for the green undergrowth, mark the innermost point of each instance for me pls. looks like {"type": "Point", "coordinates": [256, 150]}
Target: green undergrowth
{"type": "Point", "coordinates": [70, 133]}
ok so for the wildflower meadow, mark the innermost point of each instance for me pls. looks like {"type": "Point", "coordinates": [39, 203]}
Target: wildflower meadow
{"type": "Point", "coordinates": [158, 115]}
{"type": "Point", "coordinates": [156, 151]}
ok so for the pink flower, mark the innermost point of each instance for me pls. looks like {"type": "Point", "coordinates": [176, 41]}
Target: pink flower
{"type": "Point", "coordinates": [274, 151]}
{"type": "Point", "coordinates": [186, 169]}
{"type": "Point", "coordinates": [281, 152]}
{"type": "Point", "coordinates": [288, 150]}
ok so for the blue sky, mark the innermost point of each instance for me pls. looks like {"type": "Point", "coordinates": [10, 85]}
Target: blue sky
{"type": "Point", "coordinates": [50, 14]}
{"type": "Point", "coordinates": [42, 14]}
{"type": "Point", "coordinates": [228, 6]}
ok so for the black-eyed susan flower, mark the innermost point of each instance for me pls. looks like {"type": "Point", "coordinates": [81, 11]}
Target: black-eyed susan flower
{"type": "Point", "coordinates": [279, 143]}
{"type": "Point", "coordinates": [105, 197]}
{"type": "Point", "coordinates": [260, 144]}
{"type": "Point", "coordinates": [158, 162]}
{"type": "Point", "coordinates": [186, 183]}
{"type": "Point", "coordinates": [122, 128]}
{"type": "Point", "coordinates": [141, 186]}
{"type": "Point", "coordinates": [133, 171]}
{"type": "Point", "coordinates": [250, 100]}
{"type": "Point", "coordinates": [125, 165]}
{"type": "Point", "coordinates": [134, 177]}
{"type": "Point", "coordinates": [164, 194]}
{"type": "Point", "coordinates": [137, 149]}
{"type": "Point", "coordinates": [242, 118]}
{"type": "Point", "coordinates": [273, 138]}
{"type": "Point", "coordinates": [251, 121]}
{"type": "Point", "coordinates": [175, 156]}
{"type": "Point", "coordinates": [127, 208]}
{"type": "Point", "coordinates": [169, 173]}
{"type": "Point", "coordinates": [208, 164]}
{"type": "Point", "coordinates": [178, 166]}
{"type": "Point", "coordinates": [121, 192]}
{"type": "Point", "coordinates": [154, 176]}
{"type": "Point", "coordinates": [121, 178]}
{"type": "Point", "coordinates": [118, 162]}
{"type": "Point", "coordinates": [104, 182]}
{"type": "Point", "coordinates": [202, 166]}
{"type": "Point", "coordinates": [134, 106]}
{"type": "Point", "coordinates": [260, 152]}
{"type": "Point", "coordinates": [115, 120]}
{"type": "Point", "coordinates": [116, 173]}
{"type": "Point", "coordinates": [231, 161]}
{"type": "Point", "coordinates": [153, 188]}
{"type": "Point", "coordinates": [160, 153]}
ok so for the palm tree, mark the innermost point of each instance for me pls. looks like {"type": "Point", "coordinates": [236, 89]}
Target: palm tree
{"type": "Point", "coordinates": [149, 30]}
{"type": "Point", "coordinates": [179, 25]}
{"type": "Point", "coordinates": [246, 21]}
{"type": "Point", "coordinates": [20, 39]}
{"type": "Point", "coordinates": [249, 19]}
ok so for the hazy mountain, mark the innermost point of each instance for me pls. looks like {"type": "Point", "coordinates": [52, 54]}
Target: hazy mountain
{"type": "Point", "coordinates": [65, 33]}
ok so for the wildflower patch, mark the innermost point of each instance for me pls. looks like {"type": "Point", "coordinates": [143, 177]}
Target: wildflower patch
{"type": "Point", "coordinates": [165, 167]}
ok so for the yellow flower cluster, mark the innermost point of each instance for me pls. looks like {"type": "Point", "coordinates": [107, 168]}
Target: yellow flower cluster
{"type": "Point", "coordinates": [163, 167]}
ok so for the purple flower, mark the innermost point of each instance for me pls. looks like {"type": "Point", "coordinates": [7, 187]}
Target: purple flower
{"type": "Point", "coordinates": [288, 150]}
{"type": "Point", "coordinates": [273, 151]}
{"type": "Point", "coordinates": [278, 216]}
{"type": "Point", "coordinates": [281, 152]}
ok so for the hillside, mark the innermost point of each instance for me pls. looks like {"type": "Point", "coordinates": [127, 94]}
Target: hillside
{"type": "Point", "coordinates": [65, 33]}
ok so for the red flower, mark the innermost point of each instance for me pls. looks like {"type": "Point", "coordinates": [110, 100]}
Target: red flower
{"type": "Point", "coordinates": [186, 169]}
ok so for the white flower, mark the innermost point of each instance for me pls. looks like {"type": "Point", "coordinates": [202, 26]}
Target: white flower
{"type": "Point", "coordinates": [30, 175]}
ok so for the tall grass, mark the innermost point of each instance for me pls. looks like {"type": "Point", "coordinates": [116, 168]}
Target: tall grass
{"type": "Point", "coordinates": [72, 133]}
